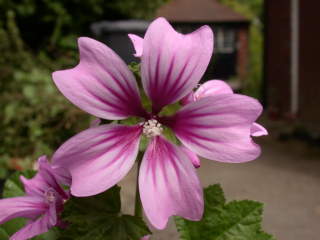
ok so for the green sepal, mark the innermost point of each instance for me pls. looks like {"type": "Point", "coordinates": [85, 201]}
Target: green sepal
{"type": "Point", "coordinates": [135, 69]}
{"type": "Point", "coordinates": [3, 234]}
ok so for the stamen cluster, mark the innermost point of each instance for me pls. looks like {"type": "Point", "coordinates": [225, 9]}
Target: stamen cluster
{"type": "Point", "coordinates": [152, 128]}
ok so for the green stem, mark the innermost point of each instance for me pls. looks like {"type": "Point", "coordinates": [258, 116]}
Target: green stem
{"type": "Point", "coordinates": [138, 205]}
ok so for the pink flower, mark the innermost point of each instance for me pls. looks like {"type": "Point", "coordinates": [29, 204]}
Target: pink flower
{"type": "Point", "coordinates": [216, 127]}
{"type": "Point", "coordinates": [146, 237]}
{"type": "Point", "coordinates": [41, 205]}
{"type": "Point", "coordinates": [213, 88]}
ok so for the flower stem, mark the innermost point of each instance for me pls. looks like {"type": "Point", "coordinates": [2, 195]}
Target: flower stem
{"type": "Point", "coordinates": [138, 205]}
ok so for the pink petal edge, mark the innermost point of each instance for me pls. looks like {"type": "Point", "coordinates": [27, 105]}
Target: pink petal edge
{"type": "Point", "coordinates": [26, 207]}
{"type": "Point", "coordinates": [137, 44]}
{"type": "Point", "coordinates": [169, 184]}
{"type": "Point", "coordinates": [257, 130]}
{"type": "Point", "coordinates": [219, 127]}
{"type": "Point", "coordinates": [99, 157]}
{"type": "Point", "coordinates": [101, 84]}
{"type": "Point", "coordinates": [211, 88]}
{"type": "Point", "coordinates": [192, 156]}
{"type": "Point", "coordinates": [172, 63]}
{"type": "Point", "coordinates": [34, 228]}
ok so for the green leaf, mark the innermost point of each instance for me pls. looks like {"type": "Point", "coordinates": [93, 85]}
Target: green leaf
{"type": "Point", "coordinates": [99, 218]}
{"type": "Point", "coordinates": [13, 186]}
{"type": "Point", "coordinates": [3, 234]}
{"type": "Point", "coordinates": [264, 236]}
{"type": "Point", "coordinates": [236, 220]}
{"type": "Point", "coordinates": [134, 227]}
{"type": "Point", "coordinates": [13, 225]}
{"type": "Point", "coordinates": [3, 173]}
{"type": "Point", "coordinates": [214, 196]}
{"type": "Point", "coordinates": [105, 203]}
{"type": "Point", "coordinates": [52, 234]}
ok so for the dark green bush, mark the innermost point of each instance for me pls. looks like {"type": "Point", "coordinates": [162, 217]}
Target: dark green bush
{"type": "Point", "coordinates": [34, 117]}
{"type": "Point", "coordinates": [46, 23]}
{"type": "Point", "coordinates": [38, 37]}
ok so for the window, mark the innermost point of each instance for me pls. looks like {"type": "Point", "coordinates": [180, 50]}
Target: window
{"type": "Point", "coordinates": [225, 40]}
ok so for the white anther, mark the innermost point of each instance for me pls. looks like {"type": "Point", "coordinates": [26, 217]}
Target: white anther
{"type": "Point", "coordinates": [50, 195]}
{"type": "Point", "coordinates": [152, 128]}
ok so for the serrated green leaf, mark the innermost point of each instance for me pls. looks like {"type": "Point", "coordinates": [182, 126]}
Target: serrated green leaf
{"type": "Point", "coordinates": [264, 236]}
{"type": "Point", "coordinates": [237, 220]}
{"type": "Point", "coordinates": [135, 227]}
{"type": "Point", "coordinates": [214, 196]}
{"type": "Point", "coordinates": [98, 218]}
{"type": "Point", "coordinates": [105, 203]}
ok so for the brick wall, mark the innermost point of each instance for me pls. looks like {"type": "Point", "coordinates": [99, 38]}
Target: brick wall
{"type": "Point", "coordinates": [277, 56]}
{"type": "Point", "coordinates": [309, 77]}
{"type": "Point", "coordinates": [242, 52]}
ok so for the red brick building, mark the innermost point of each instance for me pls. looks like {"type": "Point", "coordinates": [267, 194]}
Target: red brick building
{"type": "Point", "coordinates": [230, 28]}
{"type": "Point", "coordinates": [292, 69]}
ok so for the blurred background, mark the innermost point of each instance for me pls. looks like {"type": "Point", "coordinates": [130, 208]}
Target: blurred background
{"type": "Point", "coordinates": [266, 49]}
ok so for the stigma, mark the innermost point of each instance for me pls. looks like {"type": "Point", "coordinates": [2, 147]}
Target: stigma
{"type": "Point", "coordinates": [50, 195]}
{"type": "Point", "coordinates": [152, 128]}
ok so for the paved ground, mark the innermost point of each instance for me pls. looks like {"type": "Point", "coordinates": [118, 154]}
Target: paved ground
{"type": "Point", "coordinates": [286, 178]}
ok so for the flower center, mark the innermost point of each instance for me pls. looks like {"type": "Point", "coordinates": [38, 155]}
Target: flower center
{"type": "Point", "coordinates": [50, 195]}
{"type": "Point", "coordinates": [152, 128]}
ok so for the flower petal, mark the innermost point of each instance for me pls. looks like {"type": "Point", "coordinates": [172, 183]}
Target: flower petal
{"type": "Point", "coordinates": [173, 63]}
{"type": "Point", "coordinates": [192, 156]}
{"type": "Point", "coordinates": [187, 99]}
{"type": "Point", "coordinates": [211, 88]}
{"type": "Point", "coordinates": [34, 228]}
{"type": "Point", "coordinates": [62, 175]}
{"type": "Point", "coordinates": [43, 181]}
{"type": "Point", "coordinates": [137, 44]}
{"type": "Point", "coordinates": [257, 130]}
{"type": "Point", "coordinates": [96, 122]}
{"type": "Point", "coordinates": [101, 84]}
{"type": "Point", "coordinates": [219, 127]}
{"type": "Point", "coordinates": [169, 184]}
{"type": "Point", "coordinates": [99, 157]}
{"type": "Point", "coordinates": [53, 217]}
{"type": "Point", "coordinates": [26, 206]}
{"type": "Point", "coordinates": [146, 237]}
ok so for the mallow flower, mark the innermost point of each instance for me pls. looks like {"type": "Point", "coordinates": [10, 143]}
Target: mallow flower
{"type": "Point", "coordinates": [213, 88]}
{"type": "Point", "coordinates": [41, 205]}
{"type": "Point", "coordinates": [216, 127]}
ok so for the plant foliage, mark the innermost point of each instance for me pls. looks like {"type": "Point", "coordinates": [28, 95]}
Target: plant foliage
{"type": "Point", "coordinates": [236, 220]}
{"type": "Point", "coordinates": [98, 217]}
